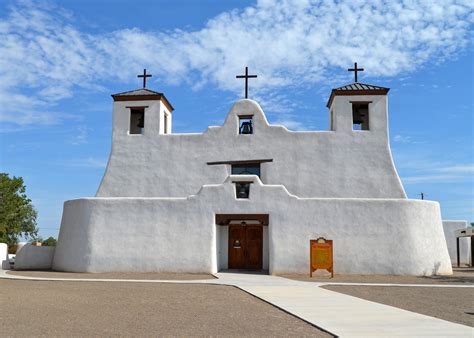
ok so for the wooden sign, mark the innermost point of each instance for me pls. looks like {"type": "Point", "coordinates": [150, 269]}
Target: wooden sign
{"type": "Point", "coordinates": [321, 255]}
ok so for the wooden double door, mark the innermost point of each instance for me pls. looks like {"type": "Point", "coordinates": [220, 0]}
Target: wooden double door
{"type": "Point", "coordinates": [245, 247]}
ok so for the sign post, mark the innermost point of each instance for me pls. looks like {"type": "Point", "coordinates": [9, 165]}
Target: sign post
{"type": "Point", "coordinates": [321, 255]}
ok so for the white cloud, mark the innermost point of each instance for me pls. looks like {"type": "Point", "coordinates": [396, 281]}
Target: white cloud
{"type": "Point", "coordinates": [432, 179]}
{"type": "Point", "coordinates": [290, 44]}
{"type": "Point", "coordinates": [438, 172]}
{"type": "Point", "coordinates": [402, 139]}
{"type": "Point", "coordinates": [81, 135]}
{"type": "Point", "coordinates": [460, 169]}
{"type": "Point", "coordinates": [88, 162]}
{"type": "Point", "coordinates": [291, 124]}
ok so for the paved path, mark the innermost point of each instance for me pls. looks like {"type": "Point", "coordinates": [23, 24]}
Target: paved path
{"type": "Point", "coordinates": [339, 314]}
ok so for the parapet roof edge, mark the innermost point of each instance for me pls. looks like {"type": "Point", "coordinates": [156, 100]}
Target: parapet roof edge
{"type": "Point", "coordinates": [357, 88]}
{"type": "Point", "coordinates": [142, 94]}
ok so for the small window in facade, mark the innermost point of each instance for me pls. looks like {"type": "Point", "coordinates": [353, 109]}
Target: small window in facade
{"type": "Point", "coordinates": [137, 120]}
{"type": "Point", "coordinates": [165, 123]}
{"type": "Point", "coordinates": [242, 189]}
{"type": "Point", "coordinates": [245, 125]}
{"type": "Point", "coordinates": [246, 169]}
{"type": "Point", "coordinates": [360, 116]}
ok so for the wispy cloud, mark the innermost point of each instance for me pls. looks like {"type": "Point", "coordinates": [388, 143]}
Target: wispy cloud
{"type": "Point", "coordinates": [88, 162]}
{"type": "Point", "coordinates": [459, 169]}
{"type": "Point", "coordinates": [44, 57]}
{"type": "Point", "coordinates": [402, 139]}
{"type": "Point", "coordinates": [436, 172]}
{"type": "Point", "coordinates": [81, 135]}
{"type": "Point", "coordinates": [432, 179]}
{"type": "Point", "coordinates": [291, 123]}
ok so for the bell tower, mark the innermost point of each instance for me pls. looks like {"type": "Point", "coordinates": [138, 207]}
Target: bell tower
{"type": "Point", "coordinates": [141, 112]}
{"type": "Point", "coordinates": [358, 107]}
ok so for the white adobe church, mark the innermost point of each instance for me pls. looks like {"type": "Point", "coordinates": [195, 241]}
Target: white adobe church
{"type": "Point", "coordinates": [250, 195]}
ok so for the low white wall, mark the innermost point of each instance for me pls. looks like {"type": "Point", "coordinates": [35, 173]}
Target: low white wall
{"type": "Point", "coordinates": [450, 227]}
{"type": "Point", "coordinates": [31, 257]}
{"type": "Point", "coordinates": [371, 236]}
{"type": "Point", "coordinates": [4, 264]}
{"type": "Point", "coordinates": [127, 234]}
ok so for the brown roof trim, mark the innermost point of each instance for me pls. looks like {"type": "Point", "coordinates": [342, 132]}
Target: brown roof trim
{"type": "Point", "coordinates": [338, 92]}
{"type": "Point", "coordinates": [361, 102]}
{"type": "Point", "coordinates": [241, 162]}
{"type": "Point", "coordinates": [246, 116]}
{"type": "Point", "coordinates": [225, 219]}
{"type": "Point", "coordinates": [160, 97]}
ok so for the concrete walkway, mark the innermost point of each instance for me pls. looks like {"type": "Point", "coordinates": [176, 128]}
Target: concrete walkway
{"type": "Point", "coordinates": [334, 312]}
{"type": "Point", "coordinates": [340, 314]}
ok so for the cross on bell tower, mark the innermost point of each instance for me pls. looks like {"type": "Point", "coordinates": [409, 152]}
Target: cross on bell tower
{"type": "Point", "coordinates": [144, 76]}
{"type": "Point", "coordinates": [355, 70]}
{"type": "Point", "coordinates": [246, 77]}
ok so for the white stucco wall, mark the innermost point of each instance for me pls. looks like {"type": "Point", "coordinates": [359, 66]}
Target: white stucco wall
{"type": "Point", "coordinates": [156, 205]}
{"type": "Point", "coordinates": [31, 257]}
{"type": "Point", "coordinates": [4, 264]}
{"type": "Point", "coordinates": [450, 226]}
{"type": "Point", "coordinates": [379, 236]}
{"type": "Point", "coordinates": [339, 163]}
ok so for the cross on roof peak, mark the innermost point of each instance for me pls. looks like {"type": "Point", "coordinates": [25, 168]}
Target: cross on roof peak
{"type": "Point", "coordinates": [355, 70]}
{"type": "Point", "coordinates": [246, 77]}
{"type": "Point", "coordinates": [144, 76]}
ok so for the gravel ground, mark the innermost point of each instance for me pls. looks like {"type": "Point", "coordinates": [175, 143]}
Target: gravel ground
{"type": "Point", "coordinates": [102, 309]}
{"type": "Point", "coordinates": [452, 304]}
{"type": "Point", "coordinates": [460, 276]}
{"type": "Point", "coordinates": [114, 275]}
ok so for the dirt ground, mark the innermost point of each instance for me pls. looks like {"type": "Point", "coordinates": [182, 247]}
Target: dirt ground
{"type": "Point", "coordinates": [45, 308]}
{"type": "Point", "coordinates": [452, 304]}
{"type": "Point", "coordinates": [460, 276]}
{"type": "Point", "coordinates": [114, 275]}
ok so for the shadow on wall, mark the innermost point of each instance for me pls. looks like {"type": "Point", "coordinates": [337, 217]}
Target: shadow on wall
{"type": "Point", "coordinates": [436, 268]}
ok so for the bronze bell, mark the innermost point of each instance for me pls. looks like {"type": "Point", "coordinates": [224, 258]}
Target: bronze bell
{"type": "Point", "coordinates": [242, 190]}
{"type": "Point", "coordinates": [246, 128]}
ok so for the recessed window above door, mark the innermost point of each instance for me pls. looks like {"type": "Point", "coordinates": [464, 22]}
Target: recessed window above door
{"type": "Point", "coordinates": [246, 169]}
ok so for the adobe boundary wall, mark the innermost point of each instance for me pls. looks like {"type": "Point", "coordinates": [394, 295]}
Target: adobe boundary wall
{"type": "Point", "coordinates": [371, 236]}
{"type": "Point", "coordinates": [31, 257]}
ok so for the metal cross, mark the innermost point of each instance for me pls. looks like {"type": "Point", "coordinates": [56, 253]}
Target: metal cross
{"type": "Point", "coordinates": [144, 76]}
{"type": "Point", "coordinates": [246, 77]}
{"type": "Point", "coordinates": [355, 70]}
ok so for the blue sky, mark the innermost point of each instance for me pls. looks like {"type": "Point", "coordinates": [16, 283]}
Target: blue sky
{"type": "Point", "coordinates": [61, 60]}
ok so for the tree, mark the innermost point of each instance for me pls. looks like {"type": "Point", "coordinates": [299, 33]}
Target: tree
{"type": "Point", "coordinates": [17, 214]}
{"type": "Point", "coordinates": [50, 241]}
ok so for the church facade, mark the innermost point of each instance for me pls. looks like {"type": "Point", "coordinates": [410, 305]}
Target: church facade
{"type": "Point", "coordinates": [250, 195]}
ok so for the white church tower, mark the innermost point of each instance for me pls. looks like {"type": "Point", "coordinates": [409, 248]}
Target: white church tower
{"type": "Point", "coordinates": [140, 111]}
